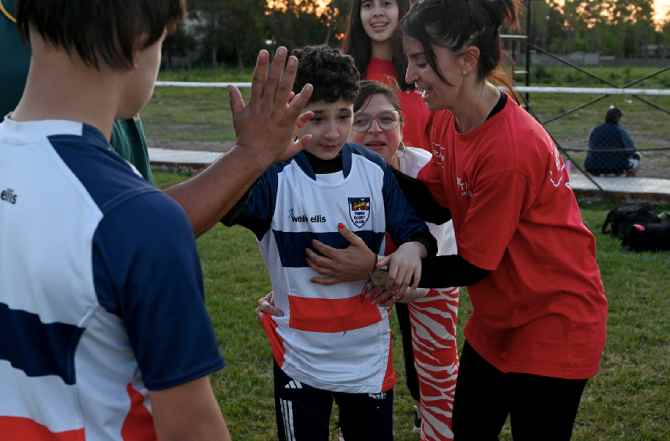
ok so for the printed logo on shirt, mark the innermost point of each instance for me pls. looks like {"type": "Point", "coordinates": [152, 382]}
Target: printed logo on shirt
{"type": "Point", "coordinates": [463, 187]}
{"type": "Point", "coordinates": [303, 218]}
{"type": "Point", "coordinates": [439, 153]}
{"type": "Point", "coordinates": [9, 196]}
{"type": "Point", "coordinates": [359, 211]}
{"type": "Point", "coordinates": [557, 172]}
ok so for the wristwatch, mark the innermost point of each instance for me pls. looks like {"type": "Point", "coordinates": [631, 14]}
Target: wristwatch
{"type": "Point", "coordinates": [379, 277]}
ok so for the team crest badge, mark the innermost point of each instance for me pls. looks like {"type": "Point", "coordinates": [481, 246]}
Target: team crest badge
{"type": "Point", "coordinates": [359, 210]}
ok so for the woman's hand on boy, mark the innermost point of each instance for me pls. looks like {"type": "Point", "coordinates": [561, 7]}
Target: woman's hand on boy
{"type": "Point", "coordinates": [266, 306]}
{"type": "Point", "coordinates": [404, 266]}
{"type": "Point", "coordinates": [265, 126]}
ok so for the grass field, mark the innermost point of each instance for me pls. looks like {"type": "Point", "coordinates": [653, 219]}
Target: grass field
{"type": "Point", "coordinates": [628, 401]}
{"type": "Point", "coordinates": [200, 118]}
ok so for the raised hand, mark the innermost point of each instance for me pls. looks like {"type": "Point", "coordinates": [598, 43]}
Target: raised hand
{"type": "Point", "coordinates": [265, 126]}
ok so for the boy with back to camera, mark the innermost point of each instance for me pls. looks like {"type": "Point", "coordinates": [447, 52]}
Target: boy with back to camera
{"type": "Point", "coordinates": [332, 343]}
{"type": "Point", "coordinates": [103, 329]}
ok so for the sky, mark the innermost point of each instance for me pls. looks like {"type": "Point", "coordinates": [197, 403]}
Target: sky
{"type": "Point", "coordinates": [661, 7]}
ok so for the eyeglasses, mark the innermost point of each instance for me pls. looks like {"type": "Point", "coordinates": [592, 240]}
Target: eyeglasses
{"type": "Point", "coordinates": [385, 121]}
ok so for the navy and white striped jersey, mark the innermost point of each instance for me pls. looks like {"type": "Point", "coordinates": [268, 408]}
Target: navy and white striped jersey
{"type": "Point", "coordinates": [101, 295]}
{"type": "Point", "coordinates": [330, 337]}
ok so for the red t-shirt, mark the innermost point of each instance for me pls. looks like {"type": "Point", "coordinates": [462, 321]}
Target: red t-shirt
{"type": "Point", "coordinates": [414, 109]}
{"type": "Point", "coordinates": [542, 309]}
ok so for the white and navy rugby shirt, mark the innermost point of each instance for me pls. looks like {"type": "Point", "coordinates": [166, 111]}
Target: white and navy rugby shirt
{"type": "Point", "coordinates": [101, 294]}
{"type": "Point", "coordinates": [330, 337]}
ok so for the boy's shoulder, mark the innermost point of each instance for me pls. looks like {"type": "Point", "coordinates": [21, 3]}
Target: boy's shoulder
{"type": "Point", "coordinates": [78, 159]}
{"type": "Point", "coordinates": [358, 151]}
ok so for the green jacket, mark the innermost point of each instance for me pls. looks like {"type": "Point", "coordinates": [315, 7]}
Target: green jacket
{"type": "Point", "coordinates": [128, 138]}
{"type": "Point", "coordinates": [129, 141]}
{"type": "Point", "coordinates": [15, 61]}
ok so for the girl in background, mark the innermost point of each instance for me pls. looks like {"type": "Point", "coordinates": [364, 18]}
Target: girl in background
{"type": "Point", "coordinates": [373, 40]}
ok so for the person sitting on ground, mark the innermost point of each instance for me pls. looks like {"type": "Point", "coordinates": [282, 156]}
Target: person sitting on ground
{"type": "Point", "coordinates": [611, 149]}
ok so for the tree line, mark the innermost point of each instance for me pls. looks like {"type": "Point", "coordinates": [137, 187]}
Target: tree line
{"type": "Point", "coordinates": [232, 31]}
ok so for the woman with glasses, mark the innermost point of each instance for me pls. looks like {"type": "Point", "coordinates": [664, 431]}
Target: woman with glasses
{"type": "Point", "coordinates": [378, 124]}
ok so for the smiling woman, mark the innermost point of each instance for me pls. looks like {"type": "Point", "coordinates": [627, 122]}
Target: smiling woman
{"type": "Point", "coordinates": [538, 326]}
{"type": "Point", "coordinates": [373, 39]}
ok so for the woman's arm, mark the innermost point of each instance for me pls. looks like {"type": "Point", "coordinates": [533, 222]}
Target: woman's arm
{"type": "Point", "coordinates": [453, 270]}
{"type": "Point", "coordinates": [422, 199]}
{"type": "Point", "coordinates": [357, 261]}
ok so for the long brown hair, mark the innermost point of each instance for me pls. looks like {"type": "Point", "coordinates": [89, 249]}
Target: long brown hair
{"type": "Point", "coordinates": [357, 43]}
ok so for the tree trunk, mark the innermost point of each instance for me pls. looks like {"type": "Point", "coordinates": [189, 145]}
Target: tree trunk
{"type": "Point", "coordinates": [215, 60]}
{"type": "Point", "coordinates": [238, 50]}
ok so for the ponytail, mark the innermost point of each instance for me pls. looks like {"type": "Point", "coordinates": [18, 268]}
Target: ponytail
{"type": "Point", "coordinates": [501, 78]}
{"type": "Point", "coordinates": [455, 24]}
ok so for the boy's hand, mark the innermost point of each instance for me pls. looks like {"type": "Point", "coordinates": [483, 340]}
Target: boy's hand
{"type": "Point", "coordinates": [266, 305]}
{"type": "Point", "coordinates": [341, 265]}
{"type": "Point", "coordinates": [264, 127]}
{"type": "Point", "coordinates": [405, 266]}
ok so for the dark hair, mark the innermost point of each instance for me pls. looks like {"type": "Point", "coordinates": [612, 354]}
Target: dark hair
{"type": "Point", "coordinates": [613, 115]}
{"type": "Point", "coordinates": [370, 88]}
{"type": "Point", "coordinates": [454, 24]}
{"type": "Point", "coordinates": [332, 73]}
{"type": "Point", "coordinates": [357, 43]}
{"type": "Point", "coordinates": [99, 32]}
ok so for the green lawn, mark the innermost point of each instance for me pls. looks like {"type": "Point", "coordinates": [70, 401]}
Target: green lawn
{"type": "Point", "coordinates": [201, 119]}
{"type": "Point", "coordinates": [629, 400]}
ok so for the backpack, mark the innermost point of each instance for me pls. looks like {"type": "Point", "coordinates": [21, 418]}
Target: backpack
{"type": "Point", "coordinates": [621, 219]}
{"type": "Point", "coordinates": [647, 237]}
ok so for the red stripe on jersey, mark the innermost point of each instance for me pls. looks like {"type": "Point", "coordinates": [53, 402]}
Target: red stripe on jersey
{"type": "Point", "coordinates": [139, 423]}
{"type": "Point", "coordinates": [332, 315]}
{"type": "Point", "coordinates": [25, 429]}
{"type": "Point", "coordinates": [276, 343]}
{"type": "Point", "coordinates": [389, 376]}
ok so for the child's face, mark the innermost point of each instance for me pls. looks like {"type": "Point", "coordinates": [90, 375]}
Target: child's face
{"type": "Point", "coordinates": [330, 127]}
{"type": "Point", "coordinates": [377, 126]}
{"type": "Point", "coordinates": [380, 19]}
{"type": "Point", "coordinates": [139, 82]}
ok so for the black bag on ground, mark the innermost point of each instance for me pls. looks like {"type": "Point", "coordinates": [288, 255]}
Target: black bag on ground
{"type": "Point", "coordinates": [647, 237]}
{"type": "Point", "coordinates": [620, 219]}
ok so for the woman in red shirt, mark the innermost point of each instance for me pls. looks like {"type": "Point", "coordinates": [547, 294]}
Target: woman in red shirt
{"type": "Point", "coordinates": [538, 326]}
